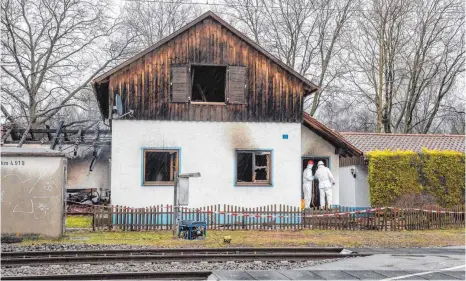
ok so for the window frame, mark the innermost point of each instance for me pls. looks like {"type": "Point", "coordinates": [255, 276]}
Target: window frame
{"type": "Point", "coordinates": [263, 183]}
{"type": "Point", "coordinates": [143, 165]}
{"type": "Point", "coordinates": [225, 92]}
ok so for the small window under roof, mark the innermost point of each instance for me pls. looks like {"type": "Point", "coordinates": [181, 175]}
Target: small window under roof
{"type": "Point", "coordinates": [208, 83]}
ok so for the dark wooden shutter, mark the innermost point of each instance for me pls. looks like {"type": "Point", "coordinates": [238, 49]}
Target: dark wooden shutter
{"type": "Point", "coordinates": [237, 84]}
{"type": "Point", "coordinates": [179, 84]}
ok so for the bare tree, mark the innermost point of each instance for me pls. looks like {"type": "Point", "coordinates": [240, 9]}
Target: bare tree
{"type": "Point", "coordinates": [437, 56]}
{"type": "Point", "coordinates": [151, 21]}
{"type": "Point", "coordinates": [247, 16]}
{"type": "Point", "coordinates": [303, 34]}
{"type": "Point", "coordinates": [407, 61]}
{"type": "Point", "coordinates": [51, 50]}
{"type": "Point", "coordinates": [324, 52]}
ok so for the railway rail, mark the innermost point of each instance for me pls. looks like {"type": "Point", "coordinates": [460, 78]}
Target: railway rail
{"type": "Point", "coordinates": [166, 255]}
{"type": "Point", "coordinates": [176, 275]}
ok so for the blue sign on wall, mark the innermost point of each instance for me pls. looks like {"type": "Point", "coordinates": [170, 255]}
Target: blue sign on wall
{"type": "Point", "coordinates": [285, 136]}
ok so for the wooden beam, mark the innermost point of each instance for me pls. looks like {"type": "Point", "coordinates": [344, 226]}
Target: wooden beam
{"type": "Point", "coordinates": [24, 136]}
{"type": "Point", "coordinates": [57, 135]}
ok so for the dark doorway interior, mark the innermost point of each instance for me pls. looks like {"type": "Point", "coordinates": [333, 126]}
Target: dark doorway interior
{"type": "Point", "coordinates": [208, 83]}
{"type": "Point", "coordinates": [316, 195]}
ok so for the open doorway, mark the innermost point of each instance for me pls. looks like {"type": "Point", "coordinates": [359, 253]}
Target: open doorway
{"type": "Point", "coordinates": [315, 185]}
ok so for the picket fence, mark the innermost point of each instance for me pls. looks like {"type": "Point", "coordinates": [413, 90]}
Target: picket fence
{"type": "Point", "coordinates": [280, 217]}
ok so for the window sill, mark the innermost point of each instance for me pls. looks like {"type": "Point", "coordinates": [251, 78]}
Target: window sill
{"type": "Point", "coordinates": [160, 183]}
{"type": "Point", "coordinates": [207, 103]}
{"type": "Point", "coordinates": [254, 184]}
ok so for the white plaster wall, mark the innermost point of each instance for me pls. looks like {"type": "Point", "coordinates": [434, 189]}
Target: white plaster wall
{"type": "Point", "coordinates": [362, 187]}
{"type": "Point", "coordinates": [348, 186]}
{"type": "Point", "coordinates": [32, 192]}
{"type": "Point", "coordinates": [208, 148]}
{"type": "Point", "coordinates": [313, 145]}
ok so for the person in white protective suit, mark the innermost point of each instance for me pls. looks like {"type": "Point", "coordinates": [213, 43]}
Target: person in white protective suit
{"type": "Point", "coordinates": [307, 184]}
{"type": "Point", "coordinates": [326, 180]}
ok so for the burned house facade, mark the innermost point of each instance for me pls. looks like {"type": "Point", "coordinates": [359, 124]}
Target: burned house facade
{"type": "Point", "coordinates": [207, 99]}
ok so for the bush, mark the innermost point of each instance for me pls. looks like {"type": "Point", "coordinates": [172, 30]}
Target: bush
{"type": "Point", "coordinates": [415, 201]}
{"type": "Point", "coordinates": [397, 174]}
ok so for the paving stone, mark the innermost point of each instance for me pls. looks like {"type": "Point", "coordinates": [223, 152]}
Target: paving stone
{"type": "Point", "coordinates": [334, 275]}
{"type": "Point", "coordinates": [396, 273]}
{"type": "Point", "coordinates": [267, 275]}
{"type": "Point", "coordinates": [300, 275]}
{"type": "Point", "coordinates": [457, 274]}
{"type": "Point", "coordinates": [438, 276]}
{"type": "Point", "coordinates": [233, 275]}
{"type": "Point", "coordinates": [365, 274]}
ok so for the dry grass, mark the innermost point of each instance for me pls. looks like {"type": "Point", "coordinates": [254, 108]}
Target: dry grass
{"type": "Point", "coordinates": [316, 238]}
{"type": "Point", "coordinates": [78, 222]}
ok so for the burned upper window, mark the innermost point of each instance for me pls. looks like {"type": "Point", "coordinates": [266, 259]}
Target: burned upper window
{"type": "Point", "coordinates": [208, 83]}
{"type": "Point", "coordinates": [253, 167]}
{"type": "Point", "coordinates": [160, 166]}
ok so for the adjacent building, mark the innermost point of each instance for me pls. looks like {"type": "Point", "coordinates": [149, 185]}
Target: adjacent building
{"type": "Point", "coordinates": [354, 172]}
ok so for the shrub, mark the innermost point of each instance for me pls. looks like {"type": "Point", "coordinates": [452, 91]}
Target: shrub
{"type": "Point", "coordinates": [415, 201]}
{"type": "Point", "coordinates": [397, 174]}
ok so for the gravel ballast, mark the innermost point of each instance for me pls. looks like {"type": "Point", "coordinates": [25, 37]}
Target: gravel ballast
{"type": "Point", "coordinates": [67, 247]}
{"type": "Point", "coordinates": [149, 266]}
{"type": "Point", "coordinates": [59, 269]}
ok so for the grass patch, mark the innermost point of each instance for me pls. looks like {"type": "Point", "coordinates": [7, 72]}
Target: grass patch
{"type": "Point", "coordinates": [78, 222]}
{"type": "Point", "coordinates": [313, 238]}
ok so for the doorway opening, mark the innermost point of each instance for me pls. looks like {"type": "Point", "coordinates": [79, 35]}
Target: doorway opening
{"type": "Point", "coordinates": [315, 202]}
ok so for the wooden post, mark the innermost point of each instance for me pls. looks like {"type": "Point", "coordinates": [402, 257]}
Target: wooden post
{"type": "Point", "coordinates": [175, 203]}
{"type": "Point", "coordinates": [25, 134]}
{"type": "Point", "coordinates": [57, 135]}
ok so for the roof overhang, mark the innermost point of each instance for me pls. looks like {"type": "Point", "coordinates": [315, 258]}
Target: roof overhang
{"type": "Point", "coordinates": [342, 146]}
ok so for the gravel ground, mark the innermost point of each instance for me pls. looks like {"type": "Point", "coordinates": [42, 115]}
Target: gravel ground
{"type": "Point", "coordinates": [149, 266]}
{"type": "Point", "coordinates": [66, 247]}
{"type": "Point", "coordinates": [135, 267]}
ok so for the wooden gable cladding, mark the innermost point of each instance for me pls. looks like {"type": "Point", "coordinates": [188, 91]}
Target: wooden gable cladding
{"type": "Point", "coordinates": [269, 92]}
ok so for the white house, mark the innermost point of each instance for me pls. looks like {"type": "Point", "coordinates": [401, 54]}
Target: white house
{"type": "Point", "coordinates": [207, 99]}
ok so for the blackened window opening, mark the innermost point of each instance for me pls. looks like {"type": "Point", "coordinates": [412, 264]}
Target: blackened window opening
{"type": "Point", "coordinates": [208, 83]}
{"type": "Point", "coordinates": [158, 166]}
{"type": "Point", "coordinates": [261, 167]}
{"type": "Point", "coordinates": [244, 167]}
{"type": "Point", "coordinates": [253, 167]}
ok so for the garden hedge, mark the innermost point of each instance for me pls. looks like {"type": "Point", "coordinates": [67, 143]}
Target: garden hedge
{"type": "Point", "coordinates": [393, 174]}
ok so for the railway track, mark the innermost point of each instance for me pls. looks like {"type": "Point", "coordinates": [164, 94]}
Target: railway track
{"type": "Point", "coordinates": [166, 255]}
{"type": "Point", "coordinates": [176, 275]}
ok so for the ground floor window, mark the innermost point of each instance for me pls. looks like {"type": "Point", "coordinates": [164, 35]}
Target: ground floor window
{"type": "Point", "coordinates": [159, 166]}
{"type": "Point", "coordinates": [253, 167]}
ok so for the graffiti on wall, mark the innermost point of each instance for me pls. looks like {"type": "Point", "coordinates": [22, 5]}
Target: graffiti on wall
{"type": "Point", "coordinates": [36, 196]}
